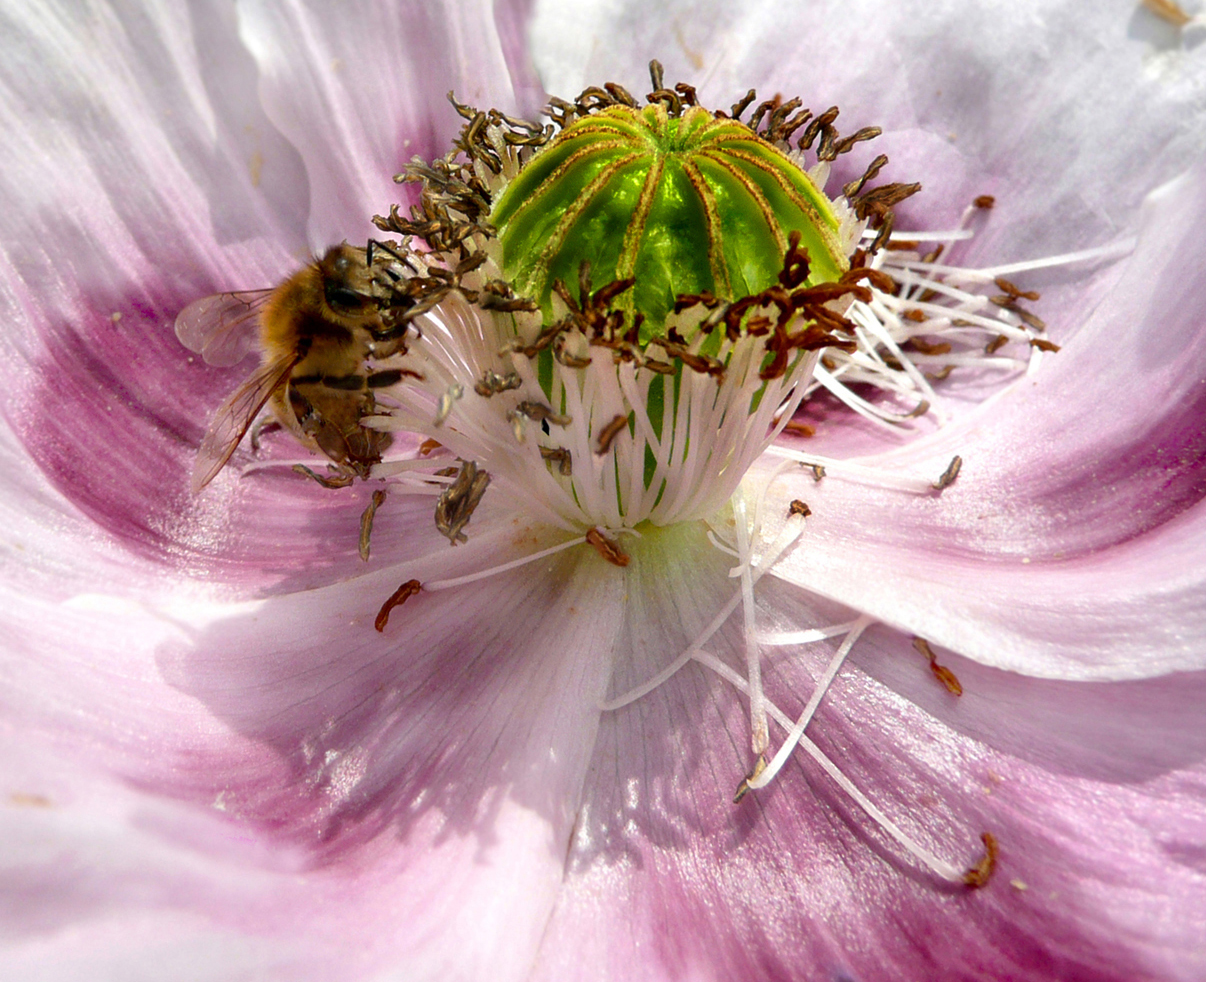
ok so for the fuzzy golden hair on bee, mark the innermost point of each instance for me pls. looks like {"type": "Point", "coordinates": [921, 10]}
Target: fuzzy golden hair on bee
{"type": "Point", "coordinates": [327, 337]}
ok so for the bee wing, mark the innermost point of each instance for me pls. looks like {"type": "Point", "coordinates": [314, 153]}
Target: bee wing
{"type": "Point", "coordinates": [221, 328]}
{"type": "Point", "coordinates": [235, 415]}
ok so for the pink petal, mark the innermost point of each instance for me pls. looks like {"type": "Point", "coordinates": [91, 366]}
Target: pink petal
{"type": "Point", "coordinates": [164, 181]}
{"type": "Point", "coordinates": [343, 801]}
{"type": "Point", "coordinates": [360, 94]}
{"type": "Point", "coordinates": [1071, 544]}
{"type": "Point", "coordinates": [1065, 112]}
{"type": "Point", "coordinates": [668, 878]}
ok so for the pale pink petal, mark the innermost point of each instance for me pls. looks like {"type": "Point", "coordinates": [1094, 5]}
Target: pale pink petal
{"type": "Point", "coordinates": [1071, 544]}
{"type": "Point", "coordinates": [139, 173]}
{"type": "Point", "coordinates": [1067, 112]}
{"type": "Point", "coordinates": [325, 801]}
{"type": "Point", "coordinates": [362, 93]}
{"type": "Point", "coordinates": [1100, 873]}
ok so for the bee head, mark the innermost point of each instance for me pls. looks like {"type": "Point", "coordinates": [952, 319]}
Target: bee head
{"type": "Point", "coordinates": [345, 282]}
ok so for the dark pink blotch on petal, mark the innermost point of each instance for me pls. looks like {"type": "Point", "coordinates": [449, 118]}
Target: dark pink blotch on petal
{"type": "Point", "coordinates": [394, 799]}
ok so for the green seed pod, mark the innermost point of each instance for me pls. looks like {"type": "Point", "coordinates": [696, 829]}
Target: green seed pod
{"type": "Point", "coordinates": [682, 204]}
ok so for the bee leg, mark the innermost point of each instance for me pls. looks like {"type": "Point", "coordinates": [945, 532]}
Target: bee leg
{"type": "Point", "coordinates": [265, 425]}
{"type": "Point", "coordinates": [341, 478]}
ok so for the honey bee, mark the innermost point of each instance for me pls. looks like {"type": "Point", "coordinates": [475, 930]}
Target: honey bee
{"type": "Point", "coordinates": [319, 334]}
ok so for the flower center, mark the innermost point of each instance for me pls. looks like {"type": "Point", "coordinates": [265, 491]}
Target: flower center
{"type": "Point", "coordinates": [652, 285]}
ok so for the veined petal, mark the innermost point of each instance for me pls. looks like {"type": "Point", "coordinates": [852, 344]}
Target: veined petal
{"type": "Point", "coordinates": [362, 93]}
{"type": "Point", "coordinates": [392, 800]}
{"type": "Point", "coordinates": [1070, 546]}
{"type": "Point", "coordinates": [667, 878]}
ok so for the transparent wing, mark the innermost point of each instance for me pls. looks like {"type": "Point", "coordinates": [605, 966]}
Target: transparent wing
{"type": "Point", "coordinates": [221, 328]}
{"type": "Point", "coordinates": [235, 415]}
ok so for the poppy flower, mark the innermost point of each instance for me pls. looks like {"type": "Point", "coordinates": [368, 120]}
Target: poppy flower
{"type": "Point", "coordinates": [214, 766]}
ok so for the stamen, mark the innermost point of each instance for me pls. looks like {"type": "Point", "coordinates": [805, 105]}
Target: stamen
{"type": "Point", "coordinates": [780, 638]}
{"type": "Point", "coordinates": [366, 523]}
{"type": "Point", "coordinates": [941, 672]}
{"type": "Point", "coordinates": [938, 866]}
{"type": "Point", "coordinates": [606, 548]}
{"type": "Point", "coordinates": [334, 482]}
{"type": "Point", "coordinates": [759, 734]}
{"type": "Point", "coordinates": [787, 538]}
{"type": "Point", "coordinates": [949, 475]}
{"type": "Point", "coordinates": [458, 503]}
{"type": "Point", "coordinates": [397, 598]}
{"type": "Point", "coordinates": [986, 274]}
{"type": "Point", "coordinates": [797, 731]}
{"type": "Point", "coordinates": [980, 874]}
{"type": "Point", "coordinates": [609, 433]}
{"type": "Point", "coordinates": [872, 476]}
{"type": "Point", "coordinates": [433, 585]}
{"type": "Point", "coordinates": [451, 394]}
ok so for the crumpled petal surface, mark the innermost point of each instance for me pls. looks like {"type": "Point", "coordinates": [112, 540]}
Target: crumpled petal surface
{"type": "Point", "coordinates": [211, 766]}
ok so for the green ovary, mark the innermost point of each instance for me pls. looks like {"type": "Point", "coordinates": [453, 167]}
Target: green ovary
{"type": "Point", "coordinates": [682, 204]}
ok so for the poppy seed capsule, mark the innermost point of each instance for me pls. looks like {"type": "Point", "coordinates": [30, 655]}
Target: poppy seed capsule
{"type": "Point", "coordinates": [692, 204]}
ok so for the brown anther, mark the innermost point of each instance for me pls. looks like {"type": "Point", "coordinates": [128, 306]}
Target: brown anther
{"type": "Point", "coordinates": [1030, 320]}
{"type": "Point", "coordinates": [876, 277]}
{"type": "Point", "coordinates": [1168, 10]}
{"type": "Point", "coordinates": [397, 598]}
{"type": "Point", "coordinates": [818, 471]}
{"type": "Point", "coordinates": [918, 316]}
{"type": "Point", "coordinates": [366, 523]}
{"type": "Point", "coordinates": [981, 873]}
{"type": "Point", "coordinates": [606, 548]}
{"type": "Point", "coordinates": [819, 126]}
{"type": "Point", "coordinates": [743, 104]}
{"type": "Point", "coordinates": [559, 456]}
{"type": "Point", "coordinates": [996, 344]}
{"type": "Point", "coordinates": [797, 507]}
{"type": "Point", "coordinates": [656, 73]}
{"type": "Point", "coordinates": [926, 348]}
{"type": "Point", "coordinates": [459, 500]}
{"type": "Point", "coordinates": [984, 201]}
{"type": "Point", "coordinates": [940, 672]}
{"type": "Point", "coordinates": [942, 373]}
{"type": "Point", "coordinates": [854, 187]}
{"type": "Point", "coordinates": [744, 787]}
{"type": "Point", "coordinates": [847, 143]}
{"type": "Point", "coordinates": [491, 383]}
{"type": "Point", "coordinates": [427, 446]}
{"type": "Point", "coordinates": [947, 478]}
{"type": "Point", "coordinates": [1015, 292]}
{"type": "Point", "coordinates": [1043, 344]}
{"type": "Point", "coordinates": [539, 412]}
{"type": "Point", "coordinates": [800, 429]}
{"type": "Point", "coordinates": [620, 94]}
{"type": "Point", "coordinates": [933, 254]}
{"type": "Point", "coordinates": [609, 433]}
